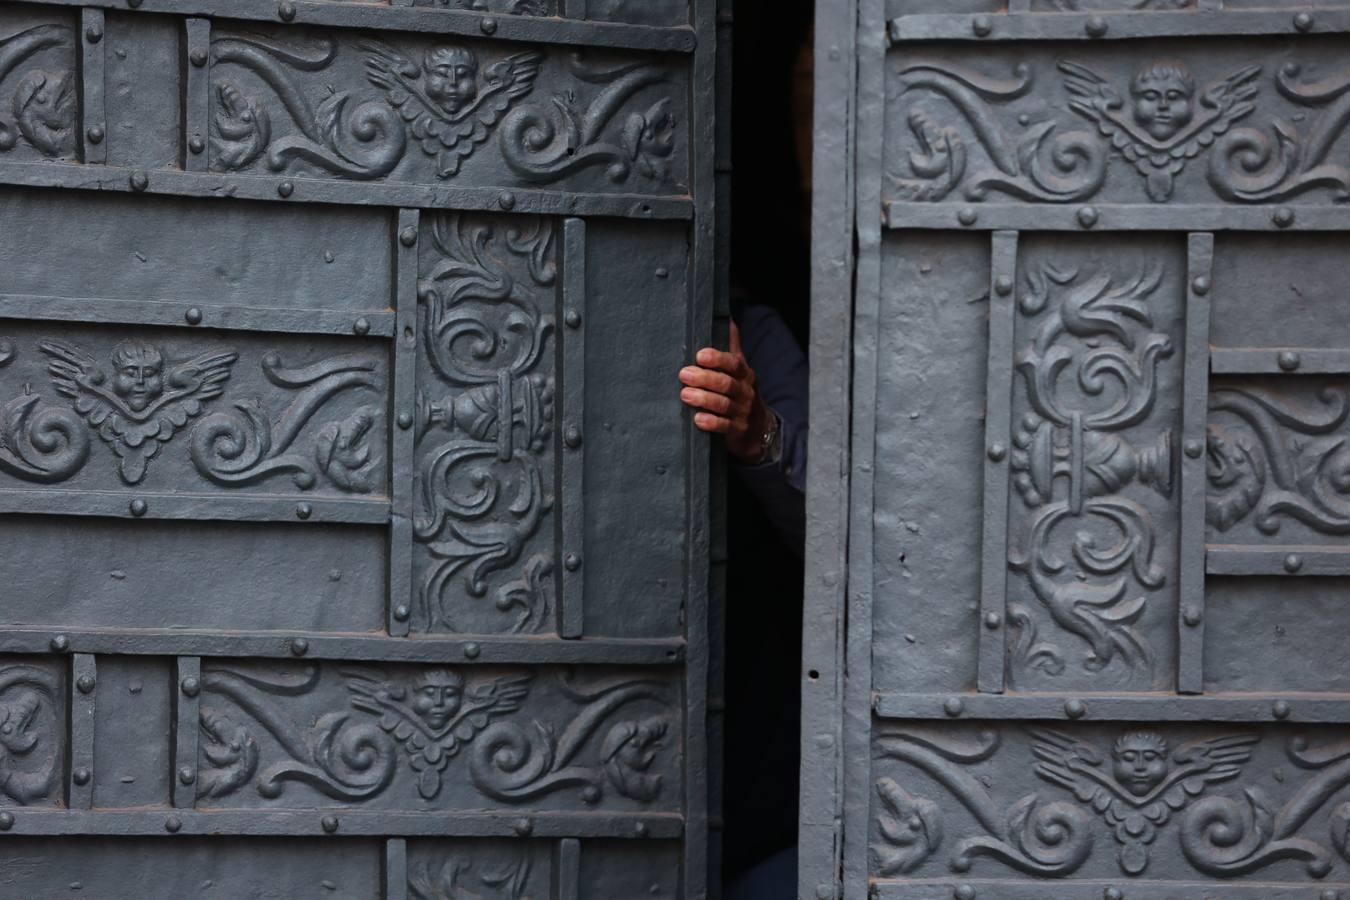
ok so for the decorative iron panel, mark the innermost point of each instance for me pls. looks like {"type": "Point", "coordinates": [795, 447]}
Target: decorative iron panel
{"type": "Point", "coordinates": [1091, 638]}
{"type": "Point", "coordinates": [356, 544]}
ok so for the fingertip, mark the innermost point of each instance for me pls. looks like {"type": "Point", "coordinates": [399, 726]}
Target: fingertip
{"type": "Point", "coordinates": [707, 356]}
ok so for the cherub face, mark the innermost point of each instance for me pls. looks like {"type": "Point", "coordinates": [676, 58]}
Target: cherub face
{"type": "Point", "coordinates": [1140, 762]}
{"type": "Point", "coordinates": [437, 697]}
{"type": "Point", "coordinates": [1164, 99]}
{"type": "Point", "coordinates": [139, 378]}
{"type": "Point", "coordinates": [451, 77]}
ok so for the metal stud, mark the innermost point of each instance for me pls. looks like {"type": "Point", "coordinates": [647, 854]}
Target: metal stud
{"type": "Point", "coordinates": [329, 824]}
{"type": "Point", "coordinates": [992, 621]}
{"type": "Point", "coordinates": [361, 326]}
{"type": "Point", "coordinates": [198, 57]}
{"type": "Point", "coordinates": [60, 644]}
{"type": "Point", "coordinates": [1193, 449]}
{"type": "Point", "coordinates": [138, 507]}
{"type": "Point", "coordinates": [506, 200]}
{"type": "Point", "coordinates": [572, 436]}
{"type": "Point", "coordinates": [1003, 285]}
{"type": "Point", "coordinates": [572, 318]}
{"type": "Point", "coordinates": [1075, 708]}
{"type": "Point", "coordinates": [173, 824]}
{"type": "Point", "coordinates": [572, 562]}
{"type": "Point", "coordinates": [1113, 893]}
{"type": "Point", "coordinates": [641, 829]}
{"type": "Point", "coordinates": [997, 452]}
{"type": "Point", "coordinates": [1293, 563]}
{"type": "Point", "coordinates": [523, 827]}
{"type": "Point", "coordinates": [1289, 361]}
{"type": "Point", "coordinates": [95, 134]}
{"type": "Point", "coordinates": [1280, 709]}
{"type": "Point", "coordinates": [193, 316]}
{"type": "Point", "coordinates": [590, 794]}
{"type": "Point", "coordinates": [93, 34]}
{"type": "Point", "coordinates": [1283, 217]}
{"type": "Point", "coordinates": [1304, 22]}
{"type": "Point", "coordinates": [286, 11]}
{"type": "Point", "coordinates": [471, 650]}
{"type": "Point", "coordinates": [190, 686]}
{"type": "Point", "coordinates": [983, 26]}
{"type": "Point", "coordinates": [186, 775]}
{"type": "Point", "coordinates": [139, 181]}
{"type": "Point", "coordinates": [964, 892]}
{"type": "Point", "coordinates": [1191, 616]}
{"type": "Point", "coordinates": [304, 480]}
{"type": "Point", "coordinates": [1200, 285]}
{"type": "Point", "coordinates": [6, 821]}
{"type": "Point", "coordinates": [967, 216]}
{"type": "Point", "coordinates": [405, 420]}
{"type": "Point", "coordinates": [954, 707]}
{"type": "Point", "coordinates": [408, 236]}
{"type": "Point", "coordinates": [81, 776]}
{"type": "Point", "coordinates": [285, 189]}
{"type": "Point", "coordinates": [825, 892]}
{"type": "Point", "coordinates": [662, 272]}
{"type": "Point", "coordinates": [196, 145]}
{"type": "Point", "coordinates": [1088, 216]}
{"type": "Point", "coordinates": [401, 613]}
{"type": "Point", "coordinates": [1096, 27]}
{"type": "Point", "coordinates": [85, 684]}
{"type": "Point", "coordinates": [1329, 894]}
{"type": "Point", "coordinates": [303, 511]}
{"type": "Point", "coordinates": [134, 3]}
{"type": "Point", "coordinates": [488, 25]}
{"type": "Point", "coordinates": [299, 647]}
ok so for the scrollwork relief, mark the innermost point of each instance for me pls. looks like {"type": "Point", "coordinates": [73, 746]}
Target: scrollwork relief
{"type": "Point", "coordinates": [30, 743]}
{"type": "Point", "coordinates": [44, 101]}
{"type": "Point", "coordinates": [472, 878]}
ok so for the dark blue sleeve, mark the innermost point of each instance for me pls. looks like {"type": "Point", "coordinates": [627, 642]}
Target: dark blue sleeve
{"type": "Point", "coordinates": [782, 378]}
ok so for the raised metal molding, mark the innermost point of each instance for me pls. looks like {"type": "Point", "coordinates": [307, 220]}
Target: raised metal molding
{"type": "Point", "coordinates": [350, 822]}
{"type": "Point", "coordinates": [567, 869]}
{"type": "Point", "coordinates": [1118, 25]}
{"type": "Point", "coordinates": [297, 508]}
{"type": "Point", "coordinates": [373, 648]}
{"type": "Point", "coordinates": [534, 29]}
{"type": "Point", "coordinates": [186, 694]}
{"type": "Point", "coordinates": [1237, 559]}
{"type": "Point", "coordinates": [1275, 361]}
{"type": "Point", "coordinates": [1134, 889]}
{"type": "Point", "coordinates": [396, 869]}
{"type": "Point", "coordinates": [93, 137]}
{"type": "Point", "coordinates": [997, 433]}
{"type": "Point", "coordinates": [1110, 217]}
{"type": "Point", "coordinates": [1194, 418]}
{"type": "Point", "coordinates": [173, 314]}
{"type": "Point", "coordinates": [315, 190]}
{"type": "Point", "coordinates": [80, 769]}
{"type": "Point", "coordinates": [195, 141]}
{"type": "Point", "coordinates": [1304, 708]}
{"type": "Point", "coordinates": [403, 450]}
{"type": "Point", "coordinates": [572, 468]}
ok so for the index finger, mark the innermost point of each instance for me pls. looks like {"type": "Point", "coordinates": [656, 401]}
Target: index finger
{"type": "Point", "coordinates": [721, 360]}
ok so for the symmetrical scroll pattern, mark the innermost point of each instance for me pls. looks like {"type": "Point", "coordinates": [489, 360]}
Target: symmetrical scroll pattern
{"type": "Point", "coordinates": [44, 101]}
{"type": "Point", "coordinates": [1090, 373]}
{"type": "Point", "coordinates": [486, 296]}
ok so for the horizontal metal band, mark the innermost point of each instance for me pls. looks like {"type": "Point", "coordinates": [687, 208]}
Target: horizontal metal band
{"type": "Point", "coordinates": [183, 314]}
{"type": "Point", "coordinates": [339, 823]}
{"type": "Point", "coordinates": [1279, 361]}
{"type": "Point", "coordinates": [487, 650]}
{"type": "Point", "coordinates": [334, 190]}
{"type": "Point", "coordinates": [1105, 26]}
{"type": "Point", "coordinates": [1333, 708]}
{"type": "Point", "coordinates": [222, 507]}
{"type": "Point", "coordinates": [1113, 217]}
{"type": "Point", "coordinates": [534, 29]}
{"type": "Point", "coordinates": [1134, 889]}
{"type": "Point", "coordinates": [1237, 559]}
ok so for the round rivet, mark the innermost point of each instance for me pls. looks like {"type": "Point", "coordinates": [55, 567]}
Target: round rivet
{"type": "Point", "coordinates": [572, 562]}
{"type": "Point", "coordinates": [405, 420]}
{"type": "Point", "coordinates": [133, 3]}
{"type": "Point", "coordinates": [1329, 894]}
{"type": "Point", "coordinates": [1319, 868]}
{"type": "Point", "coordinates": [507, 200]}
{"type": "Point", "coordinates": [590, 794]}
{"type": "Point", "coordinates": [964, 892]}
{"type": "Point", "coordinates": [572, 436]}
{"type": "Point", "coordinates": [93, 34]}
{"type": "Point", "coordinates": [361, 326]}
{"type": "Point", "coordinates": [286, 10]}
{"type": "Point", "coordinates": [997, 452]}
{"type": "Point", "coordinates": [1289, 360]}
{"type": "Point", "coordinates": [186, 775]}
{"type": "Point", "coordinates": [1191, 616]}
{"type": "Point", "coordinates": [967, 216]}
{"type": "Point", "coordinates": [1292, 563]}
{"type": "Point", "coordinates": [408, 236]}
{"type": "Point", "coordinates": [471, 650]}
{"type": "Point", "coordinates": [954, 707]}
{"type": "Point", "coordinates": [304, 480]}
{"type": "Point", "coordinates": [190, 686]}
{"type": "Point", "coordinates": [825, 892]}
{"type": "Point", "coordinates": [641, 829]}
{"type": "Point", "coordinates": [401, 613]}
{"type": "Point", "coordinates": [329, 824]}
{"type": "Point", "coordinates": [197, 57]}
{"type": "Point", "coordinates": [1003, 285]}
{"type": "Point", "coordinates": [662, 272]}
{"type": "Point", "coordinates": [983, 26]}
{"type": "Point", "coordinates": [992, 621]}
{"type": "Point", "coordinates": [1193, 449]}
{"type": "Point", "coordinates": [299, 647]}
{"type": "Point", "coordinates": [1284, 217]}
{"type": "Point", "coordinates": [1281, 709]}
{"type": "Point", "coordinates": [286, 188]}
{"type": "Point", "coordinates": [1087, 216]}
{"type": "Point", "coordinates": [1200, 285]}
{"type": "Point", "coordinates": [193, 316]}
{"type": "Point", "coordinates": [523, 828]}
{"type": "Point", "coordinates": [6, 821]}
{"type": "Point", "coordinates": [173, 824]}
{"type": "Point", "coordinates": [95, 134]}
{"type": "Point", "coordinates": [572, 318]}
{"type": "Point", "coordinates": [85, 684]}
{"type": "Point", "coordinates": [1096, 26]}
{"type": "Point", "coordinates": [1113, 894]}
{"type": "Point", "coordinates": [1075, 709]}
{"type": "Point", "coordinates": [80, 775]}
{"type": "Point", "coordinates": [488, 25]}
{"type": "Point", "coordinates": [138, 507]}
{"type": "Point", "coordinates": [139, 181]}
{"type": "Point", "coordinates": [1304, 22]}
{"type": "Point", "coordinates": [60, 643]}
{"type": "Point", "coordinates": [196, 145]}
{"type": "Point", "coordinates": [303, 511]}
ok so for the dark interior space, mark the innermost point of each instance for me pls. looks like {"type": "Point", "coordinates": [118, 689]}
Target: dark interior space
{"type": "Point", "coordinates": [770, 265]}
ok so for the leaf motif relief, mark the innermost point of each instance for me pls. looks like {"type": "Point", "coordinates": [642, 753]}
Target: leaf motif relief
{"type": "Point", "coordinates": [44, 102]}
{"type": "Point", "coordinates": [910, 828]}
{"type": "Point", "coordinates": [30, 745]}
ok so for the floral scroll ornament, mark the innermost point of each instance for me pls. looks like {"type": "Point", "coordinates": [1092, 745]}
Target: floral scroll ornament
{"type": "Point", "coordinates": [44, 102]}
{"type": "Point", "coordinates": [29, 748]}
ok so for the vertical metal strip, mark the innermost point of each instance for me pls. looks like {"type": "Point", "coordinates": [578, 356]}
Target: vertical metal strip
{"type": "Point", "coordinates": [93, 135]}
{"type": "Point", "coordinates": [997, 432]}
{"type": "Point", "coordinates": [567, 869]}
{"type": "Point", "coordinates": [403, 444]}
{"type": "Point", "coordinates": [83, 682]}
{"type": "Point", "coordinates": [1194, 418]}
{"type": "Point", "coordinates": [187, 703]}
{"type": "Point", "coordinates": [396, 869]}
{"type": "Point", "coordinates": [196, 103]}
{"type": "Point", "coordinates": [571, 466]}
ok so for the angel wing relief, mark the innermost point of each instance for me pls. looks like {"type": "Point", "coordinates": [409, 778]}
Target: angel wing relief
{"type": "Point", "coordinates": [1159, 124]}
{"type": "Point", "coordinates": [146, 400]}
{"type": "Point", "coordinates": [436, 715]}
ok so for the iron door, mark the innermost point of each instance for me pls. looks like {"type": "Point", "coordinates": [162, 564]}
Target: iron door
{"type": "Point", "coordinates": [1083, 609]}
{"type": "Point", "coordinates": [355, 543]}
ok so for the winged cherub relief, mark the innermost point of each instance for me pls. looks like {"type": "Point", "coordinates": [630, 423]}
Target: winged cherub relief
{"type": "Point", "coordinates": [142, 405]}
{"type": "Point", "coordinates": [436, 715]}
{"type": "Point", "coordinates": [1142, 783]}
{"type": "Point", "coordinates": [450, 105]}
{"type": "Point", "coordinates": [1161, 125]}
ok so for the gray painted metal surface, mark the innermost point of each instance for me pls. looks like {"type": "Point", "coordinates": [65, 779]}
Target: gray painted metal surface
{"type": "Point", "coordinates": [355, 542]}
{"type": "Point", "coordinates": [1090, 637]}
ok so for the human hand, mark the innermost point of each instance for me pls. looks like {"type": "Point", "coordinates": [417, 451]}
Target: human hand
{"type": "Point", "coordinates": [720, 387]}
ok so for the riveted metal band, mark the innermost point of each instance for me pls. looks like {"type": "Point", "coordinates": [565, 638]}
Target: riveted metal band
{"type": "Point", "coordinates": [93, 118]}
{"type": "Point", "coordinates": [1194, 418]}
{"type": "Point", "coordinates": [572, 416]}
{"type": "Point", "coordinates": [82, 726]}
{"type": "Point", "coordinates": [403, 449]}
{"type": "Point", "coordinates": [186, 714]}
